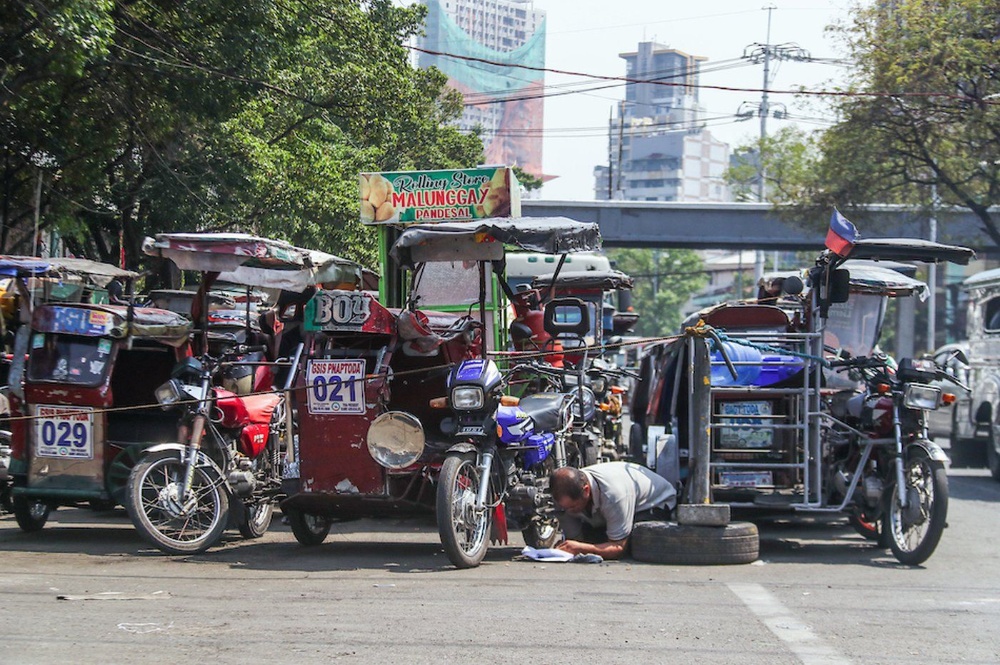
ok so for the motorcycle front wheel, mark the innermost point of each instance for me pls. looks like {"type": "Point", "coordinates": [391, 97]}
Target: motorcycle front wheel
{"type": "Point", "coordinates": [915, 531]}
{"type": "Point", "coordinates": [464, 530]}
{"type": "Point", "coordinates": [176, 524]}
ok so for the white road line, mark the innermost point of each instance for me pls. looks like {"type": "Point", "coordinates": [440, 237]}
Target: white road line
{"type": "Point", "coordinates": [804, 643]}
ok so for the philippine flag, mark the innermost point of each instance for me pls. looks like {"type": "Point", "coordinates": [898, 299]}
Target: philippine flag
{"type": "Point", "coordinates": [842, 234]}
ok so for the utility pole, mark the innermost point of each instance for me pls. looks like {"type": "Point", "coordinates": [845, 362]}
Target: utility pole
{"type": "Point", "coordinates": [932, 275]}
{"type": "Point", "coordinates": [765, 53]}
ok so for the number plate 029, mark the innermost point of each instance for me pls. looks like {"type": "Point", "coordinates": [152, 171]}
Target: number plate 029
{"type": "Point", "coordinates": [64, 431]}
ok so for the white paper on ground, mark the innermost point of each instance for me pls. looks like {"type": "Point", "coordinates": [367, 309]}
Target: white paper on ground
{"type": "Point", "coordinates": [546, 554]}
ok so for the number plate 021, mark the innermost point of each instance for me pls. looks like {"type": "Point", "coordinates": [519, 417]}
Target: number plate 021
{"type": "Point", "coordinates": [336, 386]}
{"type": "Point", "coordinates": [64, 431]}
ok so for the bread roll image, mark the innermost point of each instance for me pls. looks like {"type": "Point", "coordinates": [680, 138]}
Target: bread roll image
{"type": "Point", "coordinates": [497, 202]}
{"type": "Point", "coordinates": [365, 187]}
{"type": "Point", "coordinates": [384, 211]}
{"type": "Point", "coordinates": [367, 212]}
{"type": "Point", "coordinates": [379, 190]}
{"type": "Point", "coordinates": [499, 178]}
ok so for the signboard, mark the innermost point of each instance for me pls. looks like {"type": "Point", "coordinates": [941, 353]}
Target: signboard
{"type": "Point", "coordinates": [64, 431]}
{"type": "Point", "coordinates": [408, 197]}
{"type": "Point", "coordinates": [336, 310]}
{"type": "Point", "coordinates": [750, 424]}
{"type": "Point", "coordinates": [80, 321]}
{"type": "Point", "coordinates": [336, 387]}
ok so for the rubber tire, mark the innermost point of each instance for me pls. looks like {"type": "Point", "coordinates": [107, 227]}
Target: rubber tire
{"type": "Point", "coordinates": [133, 504]}
{"type": "Point", "coordinates": [309, 530]}
{"type": "Point", "coordinates": [682, 544]}
{"type": "Point", "coordinates": [446, 528]}
{"type": "Point", "coordinates": [533, 538]}
{"type": "Point", "coordinates": [28, 517]}
{"type": "Point", "coordinates": [254, 520]}
{"type": "Point", "coordinates": [992, 454]}
{"type": "Point", "coordinates": [938, 518]}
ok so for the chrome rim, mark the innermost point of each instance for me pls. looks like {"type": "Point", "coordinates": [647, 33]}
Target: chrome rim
{"type": "Point", "coordinates": [470, 525]}
{"type": "Point", "coordinates": [180, 519]}
{"type": "Point", "coordinates": [910, 525]}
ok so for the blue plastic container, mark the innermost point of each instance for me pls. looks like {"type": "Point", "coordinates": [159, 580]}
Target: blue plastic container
{"type": "Point", "coordinates": [766, 370]}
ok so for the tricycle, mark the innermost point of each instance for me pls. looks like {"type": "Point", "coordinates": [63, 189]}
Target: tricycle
{"type": "Point", "coordinates": [801, 410]}
{"type": "Point", "coordinates": [225, 464]}
{"type": "Point", "coordinates": [371, 442]}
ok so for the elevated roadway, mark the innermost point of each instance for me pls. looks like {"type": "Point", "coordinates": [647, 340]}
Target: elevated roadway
{"type": "Point", "coordinates": [747, 225]}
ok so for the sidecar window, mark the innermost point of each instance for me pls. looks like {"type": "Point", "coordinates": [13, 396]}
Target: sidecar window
{"type": "Point", "coordinates": [992, 315]}
{"type": "Point", "coordinates": [68, 358]}
{"type": "Point", "coordinates": [450, 283]}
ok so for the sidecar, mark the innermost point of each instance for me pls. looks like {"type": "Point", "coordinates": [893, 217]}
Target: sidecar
{"type": "Point", "coordinates": [83, 404]}
{"type": "Point", "coordinates": [767, 397]}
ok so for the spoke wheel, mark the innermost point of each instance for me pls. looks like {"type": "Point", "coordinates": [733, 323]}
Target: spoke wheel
{"type": "Point", "coordinates": [309, 530]}
{"type": "Point", "coordinates": [464, 530]}
{"type": "Point", "coordinates": [31, 514]}
{"type": "Point", "coordinates": [864, 526]}
{"type": "Point", "coordinates": [255, 519]}
{"type": "Point", "coordinates": [176, 524]}
{"type": "Point", "coordinates": [914, 531]}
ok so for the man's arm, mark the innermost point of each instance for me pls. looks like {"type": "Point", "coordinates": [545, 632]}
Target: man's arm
{"type": "Point", "coordinates": [613, 549]}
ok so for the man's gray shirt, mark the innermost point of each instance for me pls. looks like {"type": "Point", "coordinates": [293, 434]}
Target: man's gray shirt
{"type": "Point", "coordinates": [619, 491]}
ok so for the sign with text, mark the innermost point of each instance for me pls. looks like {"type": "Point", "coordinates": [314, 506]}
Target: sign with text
{"type": "Point", "coordinates": [336, 387]}
{"type": "Point", "coordinates": [407, 197]}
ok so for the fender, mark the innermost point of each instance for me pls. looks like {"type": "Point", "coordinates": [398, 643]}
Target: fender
{"type": "Point", "coordinates": [204, 460]}
{"type": "Point", "coordinates": [932, 449]}
{"type": "Point", "coordinates": [463, 447]}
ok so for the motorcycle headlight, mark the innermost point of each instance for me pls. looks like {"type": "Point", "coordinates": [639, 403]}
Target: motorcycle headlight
{"type": "Point", "coordinates": [169, 393]}
{"type": "Point", "coordinates": [467, 398]}
{"type": "Point", "coordinates": [919, 396]}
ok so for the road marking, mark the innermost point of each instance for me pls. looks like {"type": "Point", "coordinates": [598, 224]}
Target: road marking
{"type": "Point", "coordinates": [804, 643]}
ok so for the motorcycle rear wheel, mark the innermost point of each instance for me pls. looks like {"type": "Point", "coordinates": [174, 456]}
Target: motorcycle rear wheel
{"type": "Point", "coordinates": [464, 534]}
{"type": "Point", "coordinates": [541, 534]}
{"type": "Point", "coordinates": [152, 504]}
{"type": "Point", "coordinates": [915, 531]}
{"type": "Point", "coordinates": [309, 530]}
{"type": "Point", "coordinates": [255, 519]}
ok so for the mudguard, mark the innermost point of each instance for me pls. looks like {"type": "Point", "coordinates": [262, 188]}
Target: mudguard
{"type": "Point", "coordinates": [933, 450]}
{"type": "Point", "coordinates": [463, 447]}
{"type": "Point", "coordinates": [203, 460]}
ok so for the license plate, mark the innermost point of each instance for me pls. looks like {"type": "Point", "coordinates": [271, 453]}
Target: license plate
{"type": "Point", "coordinates": [64, 431]}
{"type": "Point", "coordinates": [336, 387]}
{"type": "Point", "coordinates": [747, 478]}
{"type": "Point", "coordinates": [747, 429]}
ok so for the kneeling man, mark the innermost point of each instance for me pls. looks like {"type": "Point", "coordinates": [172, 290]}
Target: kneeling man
{"type": "Point", "coordinates": [600, 503]}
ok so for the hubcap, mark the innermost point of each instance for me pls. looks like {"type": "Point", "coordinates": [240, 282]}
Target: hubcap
{"type": "Point", "coordinates": [171, 503]}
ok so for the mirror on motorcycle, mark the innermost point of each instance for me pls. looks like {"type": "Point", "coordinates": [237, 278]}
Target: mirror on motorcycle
{"type": "Point", "coordinates": [567, 316]}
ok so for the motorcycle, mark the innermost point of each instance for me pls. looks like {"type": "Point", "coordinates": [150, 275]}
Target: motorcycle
{"type": "Point", "coordinates": [495, 477]}
{"type": "Point", "coordinates": [880, 457]}
{"type": "Point", "coordinates": [180, 495]}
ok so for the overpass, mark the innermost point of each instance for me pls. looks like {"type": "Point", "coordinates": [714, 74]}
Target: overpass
{"type": "Point", "coordinates": [748, 225]}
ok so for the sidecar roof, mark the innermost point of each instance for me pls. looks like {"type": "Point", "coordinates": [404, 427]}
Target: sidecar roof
{"type": "Point", "coordinates": [484, 240]}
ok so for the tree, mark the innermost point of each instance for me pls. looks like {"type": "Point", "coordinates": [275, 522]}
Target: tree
{"type": "Point", "coordinates": [146, 117]}
{"type": "Point", "coordinates": [664, 281]}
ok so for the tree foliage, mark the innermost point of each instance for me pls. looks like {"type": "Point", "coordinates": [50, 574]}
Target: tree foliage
{"type": "Point", "coordinates": [141, 117]}
{"type": "Point", "coordinates": [664, 281]}
{"type": "Point", "coordinates": [921, 114]}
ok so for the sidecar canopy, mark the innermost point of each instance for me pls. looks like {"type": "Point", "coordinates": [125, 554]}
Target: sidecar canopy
{"type": "Point", "coordinates": [484, 240]}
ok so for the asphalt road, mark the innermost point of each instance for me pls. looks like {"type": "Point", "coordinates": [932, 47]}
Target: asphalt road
{"type": "Point", "coordinates": [87, 589]}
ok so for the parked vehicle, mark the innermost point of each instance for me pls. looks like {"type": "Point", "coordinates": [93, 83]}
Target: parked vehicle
{"type": "Point", "coordinates": [84, 410]}
{"type": "Point", "coordinates": [975, 425]}
{"type": "Point", "coordinates": [227, 460]}
{"type": "Point", "coordinates": [777, 428]}
{"type": "Point", "coordinates": [370, 443]}
{"type": "Point", "coordinates": [494, 476]}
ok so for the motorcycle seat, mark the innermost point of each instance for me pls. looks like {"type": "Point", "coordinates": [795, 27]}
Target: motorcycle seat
{"type": "Point", "coordinates": [547, 410]}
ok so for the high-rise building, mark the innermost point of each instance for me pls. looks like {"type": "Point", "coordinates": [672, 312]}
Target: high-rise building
{"type": "Point", "coordinates": [504, 101]}
{"type": "Point", "coordinates": [659, 149]}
